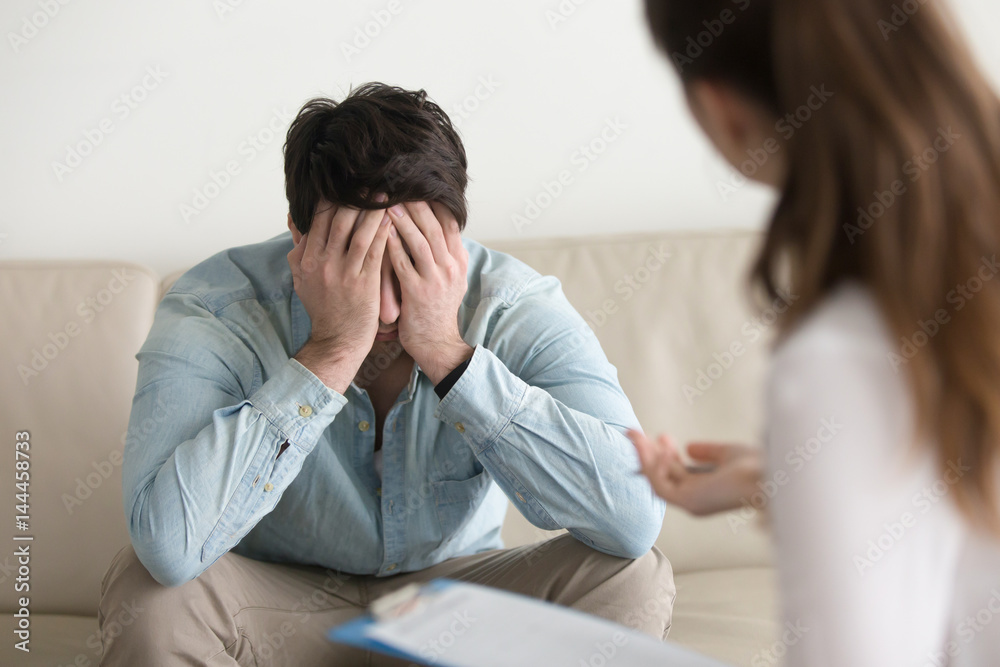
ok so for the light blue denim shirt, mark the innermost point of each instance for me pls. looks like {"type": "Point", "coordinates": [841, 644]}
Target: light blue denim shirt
{"type": "Point", "coordinates": [538, 417]}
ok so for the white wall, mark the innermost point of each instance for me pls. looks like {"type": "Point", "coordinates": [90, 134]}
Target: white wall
{"type": "Point", "coordinates": [231, 71]}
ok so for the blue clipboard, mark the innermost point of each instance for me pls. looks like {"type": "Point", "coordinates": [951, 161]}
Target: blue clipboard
{"type": "Point", "coordinates": [411, 602]}
{"type": "Point", "coordinates": [355, 633]}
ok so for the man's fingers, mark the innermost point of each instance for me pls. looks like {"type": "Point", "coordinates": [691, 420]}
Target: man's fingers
{"type": "Point", "coordinates": [428, 224]}
{"type": "Point", "coordinates": [314, 241]}
{"type": "Point", "coordinates": [295, 254]}
{"type": "Point", "coordinates": [369, 225]}
{"type": "Point", "coordinates": [401, 263]}
{"type": "Point", "coordinates": [452, 233]}
{"type": "Point", "coordinates": [423, 257]}
{"type": "Point", "coordinates": [376, 250]}
{"type": "Point", "coordinates": [319, 229]}
{"type": "Point", "coordinates": [341, 228]}
{"type": "Point", "coordinates": [316, 249]}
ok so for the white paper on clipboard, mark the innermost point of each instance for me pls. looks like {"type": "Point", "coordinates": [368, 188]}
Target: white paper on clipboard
{"type": "Point", "coordinates": [455, 624]}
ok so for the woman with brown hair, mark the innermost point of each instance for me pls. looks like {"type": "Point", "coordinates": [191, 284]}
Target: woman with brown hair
{"type": "Point", "coordinates": [887, 230]}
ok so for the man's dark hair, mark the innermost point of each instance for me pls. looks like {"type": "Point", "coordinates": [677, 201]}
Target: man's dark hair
{"type": "Point", "coordinates": [378, 139]}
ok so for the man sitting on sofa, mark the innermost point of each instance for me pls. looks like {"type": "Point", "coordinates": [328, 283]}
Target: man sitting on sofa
{"type": "Point", "coordinates": [358, 400]}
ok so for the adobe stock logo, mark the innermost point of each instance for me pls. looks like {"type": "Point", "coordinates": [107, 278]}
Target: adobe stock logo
{"type": "Point", "coordinates": [900, 16]}
{"type": "Point", "coordinates": [922, 503]}
{"type": "Point", "coordinates": [582, 159]}
{"type": "Point", "coordinates": [562, 12]}
{"type": "Point", "coordinates": [225, 7]}
{"type": "Point", "coordinates": [370, 31]}
{"type": "Point", "coordinates": [462, 111]}
{"type": "Point", "coordinates": [219, 179]}
{"type": "Point", "coordinates": [752, 330]}
{"type": "Point", "coordinates": [121, 108]}
{"type": "Point", "coordinates": [913, 169]}
{"type": "Point", "coordinates": [696, 45]}
{"type": "Point", "coordinates": [31, 25]}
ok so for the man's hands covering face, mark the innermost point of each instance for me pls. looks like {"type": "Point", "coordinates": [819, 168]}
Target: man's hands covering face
{"type": "Point", "coordinates": [433, 283]}
{"type": "Point", "coordinates": [337, 278]}
{"type": "Point", "coordinates": [336, 271]}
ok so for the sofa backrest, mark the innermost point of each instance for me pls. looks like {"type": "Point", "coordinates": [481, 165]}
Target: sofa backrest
{"type": "Point", "coordinates": [664, 305]}
{"type": "Point", "coordinates": [70, 336]}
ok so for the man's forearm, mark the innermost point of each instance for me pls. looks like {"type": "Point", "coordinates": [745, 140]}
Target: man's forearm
{"type": "Point", "coordinates": [562, 467]}
{"type": "Point", "coordinates": [324, 362]}
{"type": "Point", "coordinates": [211, 489]}
{"type": "Point", "coordinates": [446, 361]}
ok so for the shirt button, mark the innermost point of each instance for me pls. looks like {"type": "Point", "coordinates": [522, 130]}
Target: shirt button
{"type": "Point", "coordinates": [390, 568]}
{"type": "Point", "coordinates": [268, 486]}
{"type": "Point", "coordinates": [519, 497]}
{"type": "Point", "coordinates": [460, 427]}
{"type": "Point", "coordinates": [255, 480]}
{"type": "Point", "coordinates": [364, 426]}
{"type": "Point", "coordinates": [305, 410]}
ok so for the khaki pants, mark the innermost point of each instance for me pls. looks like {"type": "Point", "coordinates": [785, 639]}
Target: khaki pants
{"type": "Point", "coordinates": [246, 612]}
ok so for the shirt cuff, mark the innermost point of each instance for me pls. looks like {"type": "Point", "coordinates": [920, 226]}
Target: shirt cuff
{"type": "Point", "coordinates": [483, 401]}
{"type": "Point", "coordinates": [298, 404]}
{"type": "Point", "coordinates": [449, 381]}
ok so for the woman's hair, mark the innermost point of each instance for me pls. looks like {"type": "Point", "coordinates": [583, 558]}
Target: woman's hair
{"type": "Point", "coordinates": [892, 148]}
{"type": "Point", "coordinates": [379, 139]}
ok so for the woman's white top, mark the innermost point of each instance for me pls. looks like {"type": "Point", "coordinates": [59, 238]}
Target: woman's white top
{"type": "Point", "coordinates": [876, 566]}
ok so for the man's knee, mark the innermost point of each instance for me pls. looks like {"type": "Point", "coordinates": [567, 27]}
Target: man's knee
{"type": "Point", "coordinates": [137, 609]}
{"type": "Point", "coordinates": [124, 612]}
{"type": "Point", "coordinates": [652, 569]}
{"type": "Point", "coordinates": [638, 593]}
{"type": "Point", "coordinates": [644, 591]}
{"type": "Point", "coordinates": [650, 607]}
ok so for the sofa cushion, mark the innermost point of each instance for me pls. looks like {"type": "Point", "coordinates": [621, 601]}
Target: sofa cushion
{"type": "Point", "coordinates": [57, 641]}
{"type": "Point", "coordinates": [728, 614]}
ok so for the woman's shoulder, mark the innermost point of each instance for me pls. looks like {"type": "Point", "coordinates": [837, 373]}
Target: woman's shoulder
{"type": "Point", "coordinates": [847, 325]}
{"type": "Point", "coordinates": [842, 358]}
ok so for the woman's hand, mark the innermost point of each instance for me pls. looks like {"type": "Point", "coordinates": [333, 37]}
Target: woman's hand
{"type": "Point", "coordinates": [731, 478]}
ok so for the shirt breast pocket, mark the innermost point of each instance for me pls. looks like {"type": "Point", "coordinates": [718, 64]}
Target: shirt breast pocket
{"type": "Point", "coordinates": [456, 501]}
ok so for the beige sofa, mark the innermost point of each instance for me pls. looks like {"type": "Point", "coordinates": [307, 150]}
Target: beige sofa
{"type": "Point", "coordinates": [72, 328]}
